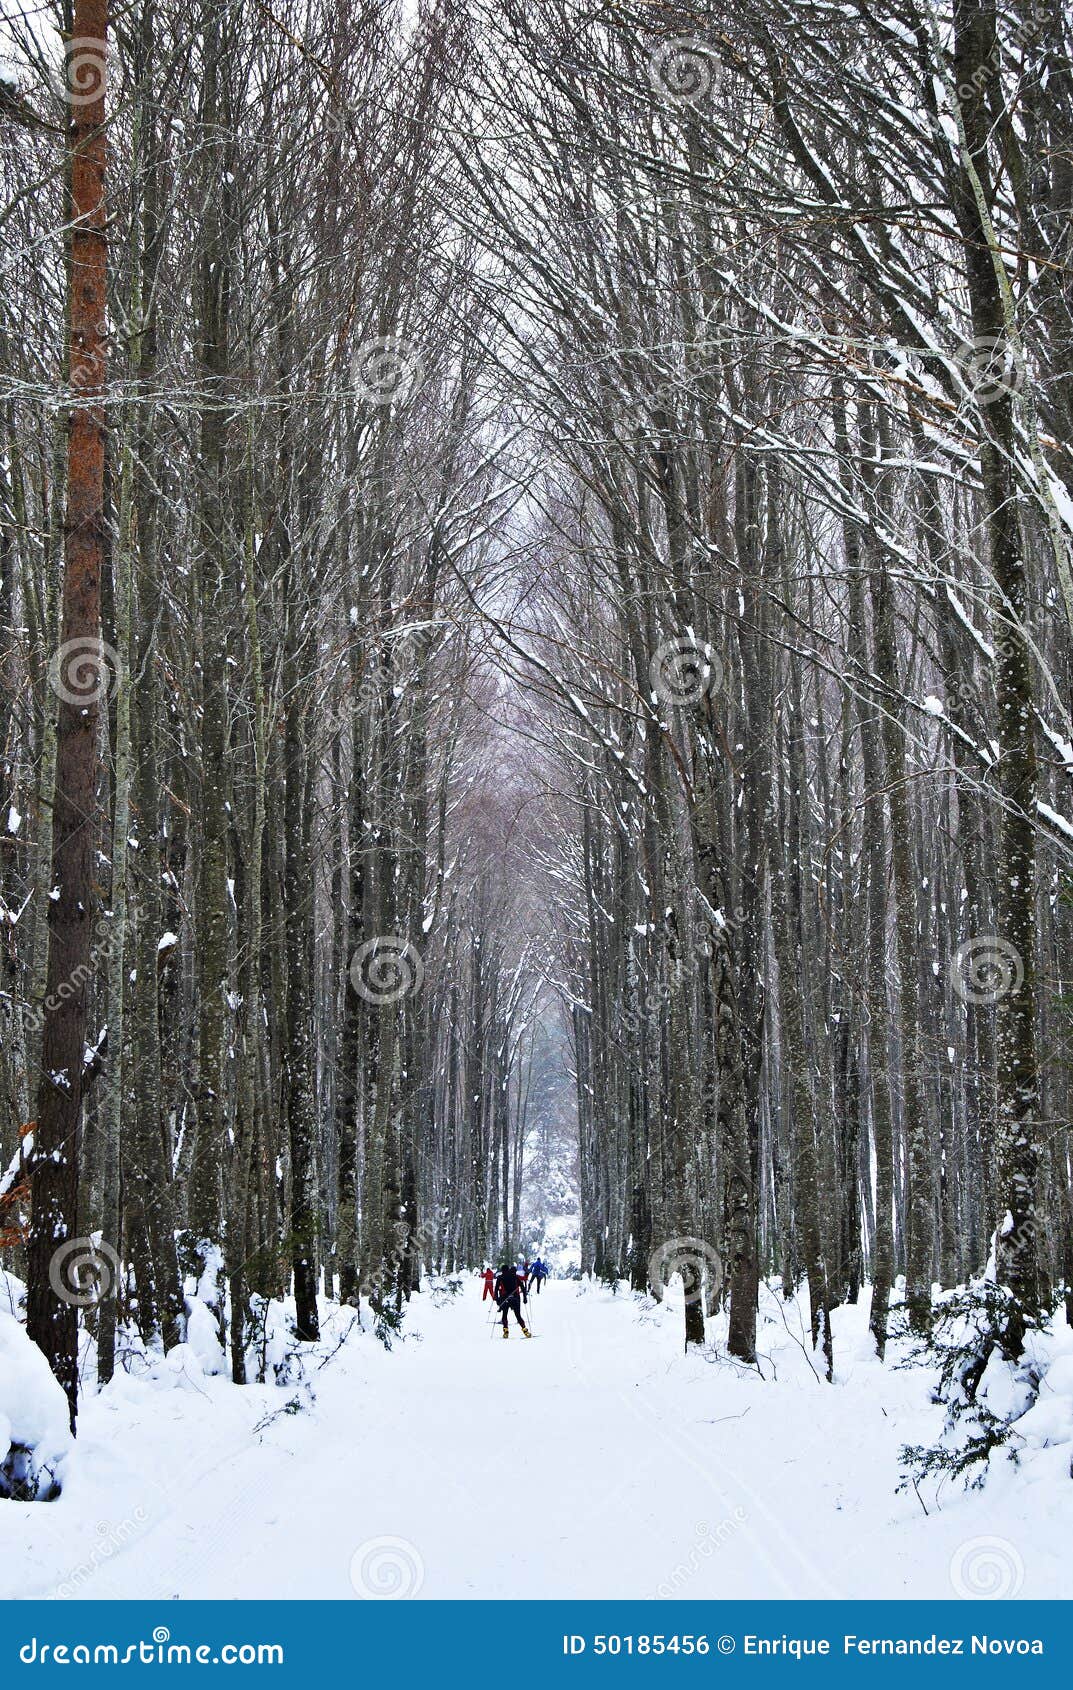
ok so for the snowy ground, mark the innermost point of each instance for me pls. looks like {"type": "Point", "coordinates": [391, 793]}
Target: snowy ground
{"type": "Point", "coordinates": [592, 1462]}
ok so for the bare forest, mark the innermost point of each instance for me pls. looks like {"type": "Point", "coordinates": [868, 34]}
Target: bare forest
{"type": "Point", "coordinates": [536, 638]}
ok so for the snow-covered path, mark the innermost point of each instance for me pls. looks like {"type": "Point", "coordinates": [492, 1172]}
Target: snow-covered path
{"type": "Point", "coordinates": [593, 1462]}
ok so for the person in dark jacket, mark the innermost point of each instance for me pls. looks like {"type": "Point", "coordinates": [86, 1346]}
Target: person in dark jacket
{"type": "Point", "coordinates": [509, 1291]}
{"type": "Point", "coordinates": [538, 1273]}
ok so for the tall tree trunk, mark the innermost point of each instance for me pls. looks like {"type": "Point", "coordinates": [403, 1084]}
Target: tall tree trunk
{"type": "Point", "coordinates": [1017, 1088]}
{"type": "Point", "coordinates": [298, 1059]}
{"type": "Point", "coordinates": [80, 676]}
{"type": "Point", "coordinates": [205, 1201]}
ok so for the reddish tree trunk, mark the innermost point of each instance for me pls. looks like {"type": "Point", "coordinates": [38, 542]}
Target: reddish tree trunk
{"type": "Point", "coordinates": [80, 678]}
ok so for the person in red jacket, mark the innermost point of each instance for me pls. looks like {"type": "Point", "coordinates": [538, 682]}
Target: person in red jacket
{"type": "Point", "coordinates": [489, 1284]}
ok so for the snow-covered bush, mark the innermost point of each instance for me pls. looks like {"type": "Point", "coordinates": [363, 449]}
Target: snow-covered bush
{"type": "Point", "coordinates": [35, 1435]}
{"type": "Point", "coordinates": [387, 1324]}
{"type": "Point", "coordinates": [272, 1357]}
{"type": "Point", "coordinates": [444, 1287]}
{"type": "Point", "coordinates": [988, 1393]}
{"type": "Point", "coordinates": [12, 1295]}
{"type": "Point", "coordinates": [1048, 1419]}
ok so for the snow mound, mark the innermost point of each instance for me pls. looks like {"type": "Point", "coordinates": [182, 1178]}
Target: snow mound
{"type": "Point", "coordinates": [1006, 1389]}
{"type": "Point", "coordinates": [1050, 1419]}
{"type": "Point", "coordinates": [181, 1369]}
{"type": "Point", "coordinates": [35, 1435]}
{"type": "Point", "coordinates": [1059, 1378]}
{"type": "Point", "coordinates": [201, 1337]}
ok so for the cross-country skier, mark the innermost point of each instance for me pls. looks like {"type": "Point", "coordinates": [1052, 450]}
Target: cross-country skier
{"type": "Point", "coordinates": [538, 1273]}
{"type": "Point", "coordinates": [509, 1291]}
{"type": "Point", "coordinates": [489, 1284]}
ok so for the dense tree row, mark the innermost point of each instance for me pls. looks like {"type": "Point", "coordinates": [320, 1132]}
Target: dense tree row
{"type": "Point", "coordinates": [584, 549]}
{"type": "Point", "coordinates": [796, 331]}
{"type": "Point", "coordinates": [286, 819]}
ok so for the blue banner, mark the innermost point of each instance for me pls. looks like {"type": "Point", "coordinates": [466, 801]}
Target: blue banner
{"type": "Point", "coordinates": [537, 1644]}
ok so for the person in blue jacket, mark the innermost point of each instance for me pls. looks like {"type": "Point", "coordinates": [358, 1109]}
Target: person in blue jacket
{"type": "Point", "coordinates": [538, 1273]}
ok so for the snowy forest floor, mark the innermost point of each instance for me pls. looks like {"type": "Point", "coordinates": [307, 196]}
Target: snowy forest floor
{"type": "Point", "coordinates": [594, 1462]}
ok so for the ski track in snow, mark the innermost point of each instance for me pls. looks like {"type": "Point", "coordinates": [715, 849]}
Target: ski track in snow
{"type": "Point", "coordinates": [594, 1462]}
